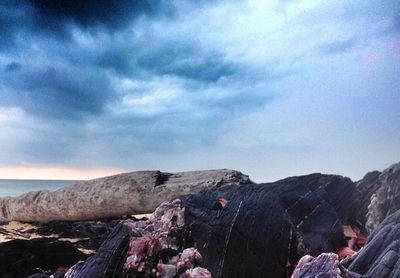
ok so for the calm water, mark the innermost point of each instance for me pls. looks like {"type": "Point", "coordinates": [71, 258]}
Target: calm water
{"type": "Point", "coordinates": [18, 187]}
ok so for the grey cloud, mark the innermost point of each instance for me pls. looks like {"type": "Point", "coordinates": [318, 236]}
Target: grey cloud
{"type": "Point", "coordinates": [13, 66]}
{"type": "Point", "coordinates": [337, 46]}
{"type": "Point", "coordinates": [48, 91]}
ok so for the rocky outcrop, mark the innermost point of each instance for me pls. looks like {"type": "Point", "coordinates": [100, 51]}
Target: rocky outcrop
{"type": "Point", "coordinates": [376, 196]}
{"type": "Point", "coordinates": [363, 192]}
{"type": "Point", "coordinates": [152, 248]}
{"type": "Point", "coordinates": [386, 199]}
{"type": "Point", "coordinates": [379, 258]}
{"type": "Point", "coordinates": [263, 230]}
{"type": "Point", "coordinates": [124, 194]}
{"type": "Point", "coordinates": [20, 258]}
{"type": "Point", "coordinates": [246, 231]}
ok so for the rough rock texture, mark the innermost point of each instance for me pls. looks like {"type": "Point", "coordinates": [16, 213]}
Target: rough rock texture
{"type": "Point", "coordinates": [263, 230]}
{"type": "Point", "coordinates": [246, 231]}
{"type": "Point", "coordinates": [20, 258]}
{"type": "Point", "coordinates": [386, 198]}
{"type": "Point", "coordinates": [150, 248]}
{"type": "Point", "coordinates": [130, 193]}
{"type": "Point", "coordinates": [85, 234]}
{"type": "Point", "coordinates": [379, 258]}
{"type": "Point", "coordinates": [365, 188]}
{"type": "Point", "coordinates": [325, 265]}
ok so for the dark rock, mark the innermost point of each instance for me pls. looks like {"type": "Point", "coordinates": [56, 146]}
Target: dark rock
{"type": "Point", "coordinates": [379, 258]}
{"type": "Point", "coordinates": [38, 275]}
{"type": "Point", "coordinates": [247, 231]}
{"type": "Point", "coordinates": [382, 252]}
{"type": "Point", "coordinates": [152, 248]}
{"type": "Point", "coordinates": [267, 228]}
{"type": "Point", "coordinates": [21, 258]}
{"type": "Point", "coordinates": [91, 234]}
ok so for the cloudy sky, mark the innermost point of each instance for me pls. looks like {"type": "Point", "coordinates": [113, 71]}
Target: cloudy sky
{"type": "Point", "coordinates": [271, 88]}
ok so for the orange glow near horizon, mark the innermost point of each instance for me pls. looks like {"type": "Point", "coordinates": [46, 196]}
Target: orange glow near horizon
{"type": "Point", "coordinates": [55, 173]}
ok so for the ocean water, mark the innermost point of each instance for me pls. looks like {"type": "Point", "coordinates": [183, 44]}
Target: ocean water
{"type": "Point", "coordinates": [18, 187]}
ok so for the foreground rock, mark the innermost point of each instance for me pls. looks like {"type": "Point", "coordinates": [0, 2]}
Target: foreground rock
{"type": "Point", "coordinates": [376, 196]}
{"type": "Point", "coordinates": [150, 248]}
{"type": "Point", "coordinates": [247, 231]}
{"type": "Point", "coordinates": [20, 258]}
{"type": "Point", "coordinates": [380, 257]}
{"type": "Point", "coordinates": [115, 196]}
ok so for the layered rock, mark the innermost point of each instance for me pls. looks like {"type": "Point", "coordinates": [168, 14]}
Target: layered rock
{"type": "Point", "coordinates": [150, 248]}
{"type": "Point", "coordinates": [247, 231]}
{"type": "Point", "coordinates": [124, 194]}
{"type": "Point", "coordinates": [386, 199]}
{"type": "Point", "coordinates": [263, 230]}
{"type": "Point", "coordinates": [379, 258]}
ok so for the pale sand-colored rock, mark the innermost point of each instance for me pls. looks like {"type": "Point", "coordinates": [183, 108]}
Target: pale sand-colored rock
{"type": "Point", "coordinates": [124, 194]}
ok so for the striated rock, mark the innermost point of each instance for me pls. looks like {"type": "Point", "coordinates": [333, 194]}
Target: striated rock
{"type": "Point", "coordinates": [379, 258]}
{"type": "Point", "coordinates": [363, 192]}
{"type": "Point", "coordinates": [234, 231]}
{"type": "Point", "coordinates": [263, 230]}
{"type": "Point", "coordinates": [386, 199]}
{"type": "Point", "coordinates": [149, 248]}
{"type": "Point", "coordinates": [124, 194]}
{"type": "Point", "coordinates": [325, 265]}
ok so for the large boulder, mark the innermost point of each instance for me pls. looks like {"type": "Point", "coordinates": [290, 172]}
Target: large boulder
{"type": "Point", "coordinates": [124, 194]}
{"type": "Point", "coordinates": [254, 230]}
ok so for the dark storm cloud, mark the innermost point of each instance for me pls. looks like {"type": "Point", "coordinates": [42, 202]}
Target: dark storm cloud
{"type": "Point", "coordinates": [175, 58]}
{"type": "Point", "coordinates": [87, 14]}
{"type": "Point", "coordinates": [13, 66]}
{"type": "Point", "coordinates": [56, 18]}
{"type": "Point", "coordinates": [54, 92]}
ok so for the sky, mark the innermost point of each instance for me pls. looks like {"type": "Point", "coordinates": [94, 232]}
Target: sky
{"type": "Point", "coordinates": [271, 88]}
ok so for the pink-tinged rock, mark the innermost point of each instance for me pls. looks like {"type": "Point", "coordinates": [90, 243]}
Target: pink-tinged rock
{"type": "Point", "coordinates": [189, 258]}
{"type": "Point", "coordinates": [325, 265]}
{"type": "Point", "coordinates": [197, 272]}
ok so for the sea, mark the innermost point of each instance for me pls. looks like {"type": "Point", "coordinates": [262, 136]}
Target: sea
{"type": "Point", "coordinates": [17, 187]}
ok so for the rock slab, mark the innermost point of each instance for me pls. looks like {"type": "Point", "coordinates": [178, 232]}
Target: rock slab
{"type": "Point", "coordinates": [124, 194]}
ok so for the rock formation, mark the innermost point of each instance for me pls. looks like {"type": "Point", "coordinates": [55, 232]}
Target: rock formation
{"type": "Point", "coordinates": [150, 248]}
{"type": "Point", "coordinates": [20, 258]}
{"type": "Point", "coordinates": [124, 194]}
{"type": "Point", "coordinates": [380, 257]}
{"type": "Point", "coordinates": [386, 198]}
{"type": "Point", "coordinates": [251, 230]}
{"type": "Point", "coordinates": [247, 231]}
{"type": "Point", "coordinates": [376, 196]}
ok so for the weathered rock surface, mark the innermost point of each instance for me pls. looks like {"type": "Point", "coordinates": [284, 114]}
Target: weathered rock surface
{"type": "Point", "coordinates": [263, 230]}
{"type": "Point", "coordinates": [376, 196]}
{"type": "Point", "coordinates": [325, 265]}
{"type": "Point", "coordinates": [386, 199]}
{"type": "Point", "coordinates": [246, 231]}
{"type": "Point", "coordinates": [124, 194]}
{"type": "Point", "coordinates": [379, 258]}
{"type": "Point", "coordinates": [150, 248]}
{"type": "Point", "coordinates": [20, 258]}
{"type": "Point", "coordinates": [363, 192]}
